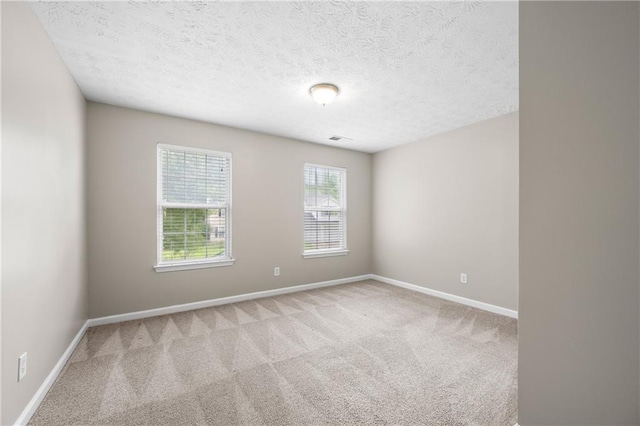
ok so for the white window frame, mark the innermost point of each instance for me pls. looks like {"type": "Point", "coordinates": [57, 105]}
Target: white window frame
{"type": "Point", "coordinates": [178, 265]}
{"type": "Point", "coordinates": [311, 254]}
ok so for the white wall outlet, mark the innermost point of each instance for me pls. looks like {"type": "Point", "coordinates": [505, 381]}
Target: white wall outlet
{"type": "Point", "coordinates": [22, 366]}
{"type": "Point", "coordinates": [463, 278]}
{"type": "Point", "coordinates": [276, 271]}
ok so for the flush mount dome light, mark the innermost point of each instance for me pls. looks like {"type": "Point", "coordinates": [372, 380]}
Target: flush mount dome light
{"type": "Point", "coordinates": [324, 93]}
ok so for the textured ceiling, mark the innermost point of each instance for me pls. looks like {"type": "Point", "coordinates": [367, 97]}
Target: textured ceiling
{"type": "Point", "coordinates": [405, 70]}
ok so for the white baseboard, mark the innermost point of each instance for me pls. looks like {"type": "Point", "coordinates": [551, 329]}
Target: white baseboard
{"type": "Point", "coordinates": [451, 297]}
{"type": "Point", "coordinates": [33, 405]}
{"type": "Point", "coordinates": [221, 301]}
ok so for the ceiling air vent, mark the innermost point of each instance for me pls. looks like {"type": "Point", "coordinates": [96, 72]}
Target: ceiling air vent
{"type": "Point", "coordinates": [337, 138]}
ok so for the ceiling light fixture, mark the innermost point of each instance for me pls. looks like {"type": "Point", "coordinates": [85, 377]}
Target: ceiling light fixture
{"type": "Point", "coordinates": [324, 93]}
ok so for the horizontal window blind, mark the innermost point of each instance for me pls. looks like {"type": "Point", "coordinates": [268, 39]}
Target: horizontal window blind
{"type": "Point", "coordinates": [194, 202]}
{"type": "Point", "coordinates": [324, 208]}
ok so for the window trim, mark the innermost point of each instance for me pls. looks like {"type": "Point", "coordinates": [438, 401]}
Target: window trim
{"type": "Point", "coordinates": [342, 251]}
{"type": "Point", "coordinates": [312, 254]}
{"type": "Point", "coordinates": [186, 264]}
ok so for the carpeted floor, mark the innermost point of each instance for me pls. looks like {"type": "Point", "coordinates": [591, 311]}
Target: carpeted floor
{"type": "Point", "coordinates": [361, 353]}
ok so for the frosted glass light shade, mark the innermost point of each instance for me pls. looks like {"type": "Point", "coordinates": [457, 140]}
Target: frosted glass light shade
{"type": "Point", "coordinates": [324, 93]}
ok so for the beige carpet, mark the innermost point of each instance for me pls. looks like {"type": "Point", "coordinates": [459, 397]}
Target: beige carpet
{"type": "Point", "coordinates": [361, 353]}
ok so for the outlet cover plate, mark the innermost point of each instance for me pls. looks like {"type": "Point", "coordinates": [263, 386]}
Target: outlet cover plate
{"type": "Point", "coordinates": [22, 366]}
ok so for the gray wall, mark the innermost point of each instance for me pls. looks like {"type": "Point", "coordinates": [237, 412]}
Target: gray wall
{"type": "Point", "coordinates": [449, 204]}
{"type": "Point", "coordinates": [44, 286]}
{"type": "Point", "coordinates": [267, 212]}
{"type": "Point", "coordinates": [579, 221]}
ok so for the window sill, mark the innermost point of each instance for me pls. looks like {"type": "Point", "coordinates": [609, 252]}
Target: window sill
{"type": "Point", "coordinates": [170, 267]}
{"type": "Point", "coordinates": [324, 253]}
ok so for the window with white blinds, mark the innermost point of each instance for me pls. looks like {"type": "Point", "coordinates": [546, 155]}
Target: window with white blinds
{"type": "Point", "coordinates": [194, 208]}
{"type": "Point", "coordinates": [325, 211]}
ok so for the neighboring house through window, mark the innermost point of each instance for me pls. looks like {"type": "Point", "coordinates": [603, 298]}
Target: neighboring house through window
{"type": "Point", "coordinates": [325, 211]}
{"type": "Point", "coordinates": [194, 208]}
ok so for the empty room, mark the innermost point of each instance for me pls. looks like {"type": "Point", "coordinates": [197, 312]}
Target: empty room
{"type": "Point", "coordinates": [308, 213]}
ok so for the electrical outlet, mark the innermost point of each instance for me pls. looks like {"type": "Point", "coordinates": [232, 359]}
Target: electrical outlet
{"type": "Point", "coordinates": [276, 271]}
{"type": "Point", "coordinates": [463, 278]}
{"type": "Point", "coordinates": [22, 366]}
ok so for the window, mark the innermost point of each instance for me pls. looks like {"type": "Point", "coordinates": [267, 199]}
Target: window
{"type": "Point", "coordinates": [194, 208]}
{"type": "Point", "coordinates": [325, 211]}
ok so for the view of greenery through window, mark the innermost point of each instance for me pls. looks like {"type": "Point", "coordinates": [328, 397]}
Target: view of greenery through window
{"type": "Point", "coordinates": [324, 208]}
{"type": "Point", "coordinates": [193, 233]}
{"type": "Point", "coordinates": [194, 203]}
{"type": "Point", "coordinates": [322, 185]}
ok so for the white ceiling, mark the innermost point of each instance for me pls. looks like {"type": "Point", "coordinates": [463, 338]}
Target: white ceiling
{"type": "Point", "coordinates": [405, 70]}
